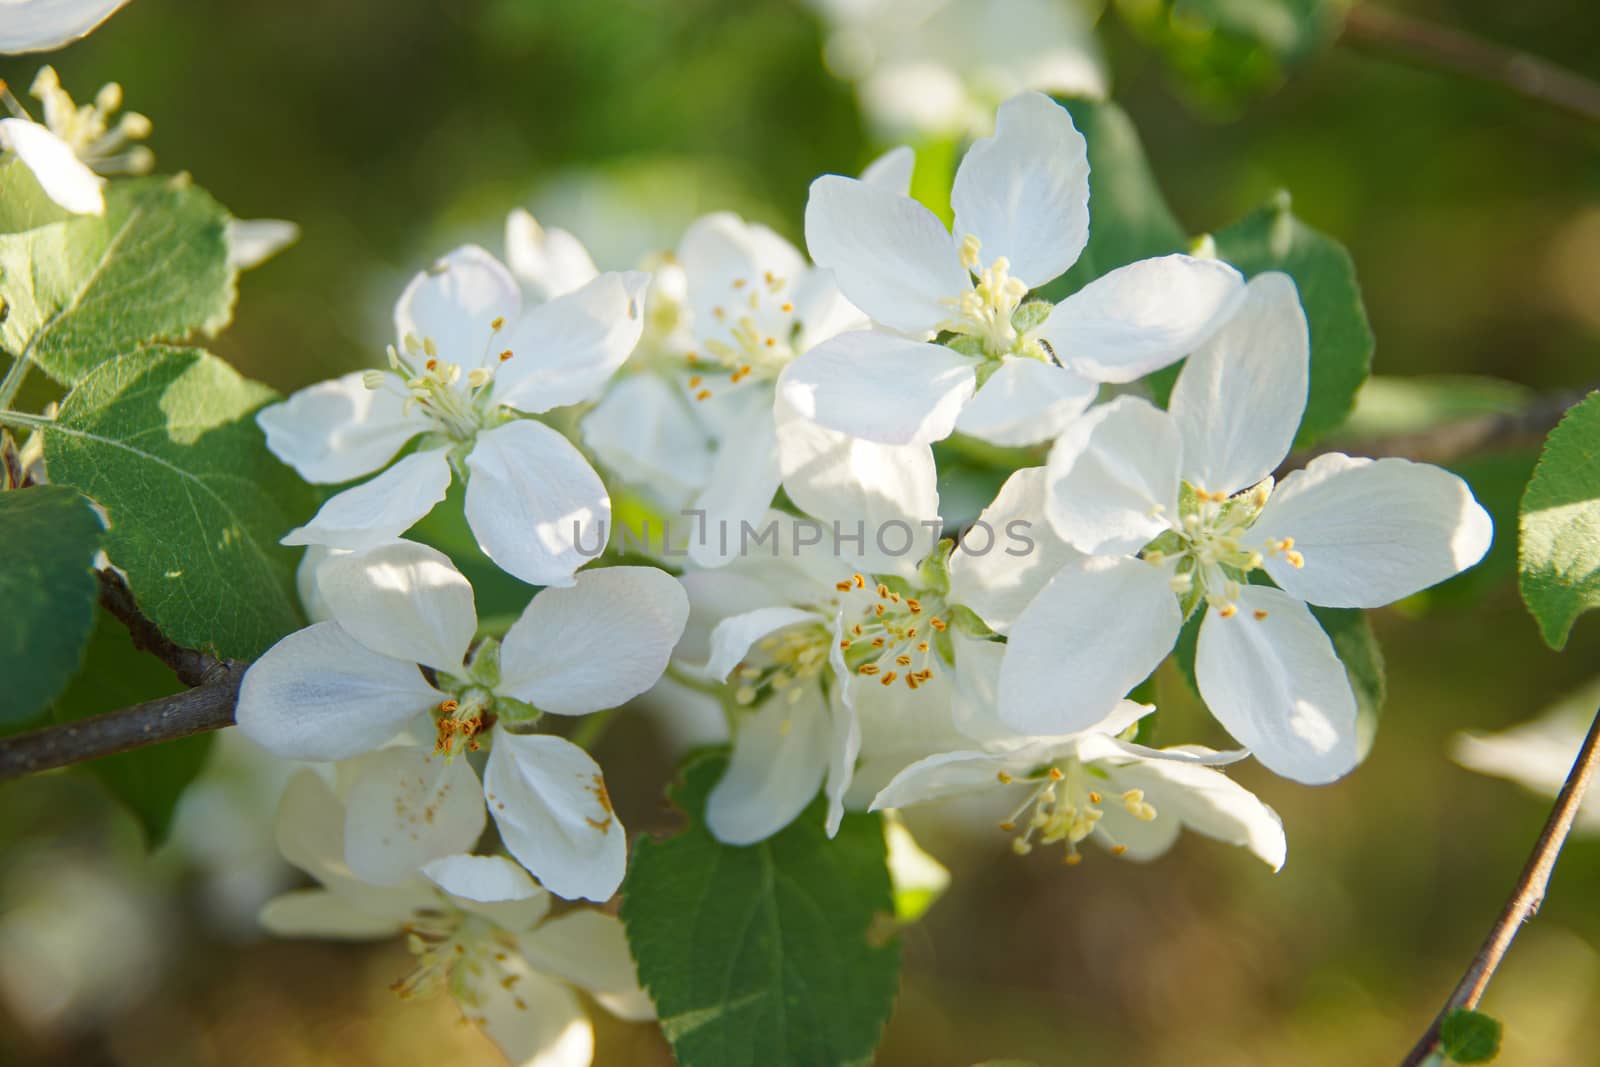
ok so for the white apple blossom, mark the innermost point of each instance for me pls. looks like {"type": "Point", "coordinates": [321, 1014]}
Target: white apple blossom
{"type": "Point", "coordinates": [1179, 511]}
{"type": "Point", "coordinates": [1011, 373]}
{"type": "Point", "coordinates": [1538, 754]}
{"type": "Point", "coordinates": [469, 366]}
{"type": "Point", "coordinates": [70, 150]}
{"type": "Point", "coordinates": [478, 926]}
{"type": "Point", "coordinates": [251, 242]}
{"type": "Point", "coordinates": [549, 263]}
{"type": "Point", "coordinates": [399, 646]}
{"type": "Point", "coordinates": [1131, 799]}
{"type": "Point", "coordinates": [939, 67]}
{"type": "Point", "coordinates": [44, 25]}
{"type": "Point", "coordinates": [850, 675]}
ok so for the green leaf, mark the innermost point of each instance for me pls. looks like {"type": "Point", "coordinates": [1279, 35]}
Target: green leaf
{"type": "Point", "coordinates": [1560, 525]}
{"type": "Point", "coordinates": [50, 535]}
{"type": "Point", "coordinates": [147, 781]}
{"type": "Point", "coordinates": [1386, 406]}
{"type": "Point", "coordinates": [1271, 238]}
{"type": "Point", "coordinates": [23, 204]}
{"type": "Point", "coordinates": [1358, 649]}
{"type": "Point", "coordinates": [761, 955]}
{"type": "Point", "coordinates": [1223, 52]}
{"type": "Point", "coordinates": [1470, 1036]}
{"type": "Point", "coordinates": [164, 439]}
{"type": "Point", "coordinates": [154, 267]}
{"type": "Point", "coordinates": [1128, 216]}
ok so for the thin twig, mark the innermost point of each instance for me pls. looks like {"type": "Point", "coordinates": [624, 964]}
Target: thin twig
{"type": "Point", "coordinates": [1525, 898]}
{"type": "Point", "coordinates": [1426, 44]}
{"type": "Point", "coordinates": [1451, 441]}
{"type": "Point", "coordinates": [191, 667]}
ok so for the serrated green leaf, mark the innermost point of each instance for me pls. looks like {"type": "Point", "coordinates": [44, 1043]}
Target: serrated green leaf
{"type": "Point", "coordinates": [165, 441]}
{"type": "Point", "coordinates": [1128, 216]}
{"type": "Point", "coordinates": [154, 267]}
{"type": "Point", "coordinates": [49, 535]}
{"type": "Point", "coordinates": [23, 203]}
{"type": "Point", "coordinates": [1470, 1036]}
{"type": "Point", "coordinates": [1559, 560]}
{"type": "Point", "coordinates": [761, 955]}
{"type": "Point", "coordinates": [1271, 238]}
{"type": "Point", "coordinates": [147, 781]}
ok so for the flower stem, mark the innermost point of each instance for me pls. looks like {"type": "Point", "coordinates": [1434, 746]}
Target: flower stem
{"type": "Point", "coordinates": [1525, 898]}
{"type": "Point", "coordinates": [16, 374]}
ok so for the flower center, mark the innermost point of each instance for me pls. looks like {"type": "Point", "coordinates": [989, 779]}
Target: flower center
{"type": "Point", "coordinates": [752, 336]}
{"type": "Point", "coordinates": [887, 635]}
{"type": "Point", "coordinates": [1209, 548]}
{"type": "Point", "coordinates": [784, 663]}
{"type": "Point", "coordinates": [450, 944]}
{"type": "Point", "coordinates": [458, 404]}
{"type": "Point", "coordinates": [88, 130]}
{"type": "Point", "coordinates": [987, 312]}
{"type": "Point", "coordinates": [1066, 805]}
{"type": "Point", "coordinates": [459, 720]}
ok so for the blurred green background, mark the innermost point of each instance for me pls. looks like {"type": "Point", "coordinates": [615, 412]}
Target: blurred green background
{"type": "Point", "coordinates": [391, 132]}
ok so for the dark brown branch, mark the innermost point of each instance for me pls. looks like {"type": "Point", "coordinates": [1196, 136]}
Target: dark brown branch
{"type": "Point", "coordinates": [1525, 898]}
{"type": "Point", "coordinates": [208, 706]}
{"type": "Point", "coordinates": [191, 667]}
{"type": "Point", "coordinates": [1405, 37]}
{"type": "Point", "coordinates": [1451, 441]}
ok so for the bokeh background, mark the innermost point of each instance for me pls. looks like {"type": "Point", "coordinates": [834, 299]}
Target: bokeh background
{"type": "Point", "coordinates": [392, 131]}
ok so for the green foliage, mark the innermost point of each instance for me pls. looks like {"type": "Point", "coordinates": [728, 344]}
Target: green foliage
{"type": "Point", "coordinates": [154, 267]}
{"type": "Point", "coordinates": [1271, 238]}
{"type": "Point", "coordinates": [50, 536]}
{"type": "Point", "coordinates": [1129, 216]}
{"type": "Point", "coordinates": [1225, 51]}
{"type": "Point", "coordinates": [761, 955]}
{"type": "Point", "coordinates": [23, 204]}
{"type": "Point", "coordinates": [1560, 525]}
{"type": "Point", "coordinates": [1386, 406]}
{"type": "Point", "coordinates": [146, 781]}
{"type": "Point", "coordinates": [1470, 1036]}
{"type": "Point", "coordinates": [164, 440]}
{"type": "Point", "coordinates": [1358, 649]}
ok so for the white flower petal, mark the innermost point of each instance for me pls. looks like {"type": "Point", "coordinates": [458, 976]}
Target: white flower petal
{"type": "Point", "coordinates": [483, 879]}
{"type": "Point", "coordinates": [1208, 802]}
{"type": "Point", "coordinates": [595, 645]}
{"type": "Point", "coordinates": [892, 170]}
{"type": "Point", "coordinates": [1143, 316]}
{"type": "Point", "coordinates": [251, 242]}
{"type": "Point", "coordinates": [45, 25]}
{"type": "Point", "coordinates": [1024, 193]}
{"type": "Point", "coordinates": [891, 256]}
{"type": "Point", "coordinates": [844, 739]}
{"type": "Point", "coordinates": [381, 509]}
{"type": "Point", "coordinates": [60, 174]}
{"type": "Point", "coordinates": [880, 387]}
{"type": "Point", "coordinates": [780, 755]}
{"type": "Point", "coordinates": [1136, 839]}
{"type": "Point", "coordinates": [822, 311]}
{"type": "Point", "coordinates": [589, 949]}
{"type": "Point", "coordinates": [1096, 631]}
{"type": "Point", "coordinates": [549, 800]}
{"type": "Point", "coordinates": [455, 303]}
{"type": "Point", "coordinates": [721, 253]}
{"type": "Point", "coordinates": [563, 352]}
{"type": "Point", "coordinates": [536, 1021]}
{"type": "Point", "coordinates": [732, 638]}
{"type": "Point", "coordinates": [1113, 477]}
{"type": "Point", "coordinates": [317, 913]}
{"type": "Point", "coordinates": [339, 429]}
{"type": "Point", "coordinates": [643, 431]}
{"type": "Point", "coordinates": [532, 500]}
{"type": "Point", "coordinates": [309, 831]}
{"type": "Point", "coordinates": [404, 600]}
{"type": "Point", "coordinates": [1025, 402]}
{"type": "Point", "coordinates": [744, 477]}
{"type": "Point", "coordinates": [550, 263]}
{"type": "Point", "coordinates": [1239, 399]}
{"type": "Point", "coordinates": [1270, 676]}
{"type": "Point", "coordinates": [1372, 531]}
{"type": "Point", "coordinates": [946, 774]}
{"type": "Point", "coordinates": [996, 573]}
{"type": "Point", "coordinates": [319, 694]}
{"type": "Point", "coordinates": [406, 807]}
{"type": "Point", "coordinates": [834, 477]}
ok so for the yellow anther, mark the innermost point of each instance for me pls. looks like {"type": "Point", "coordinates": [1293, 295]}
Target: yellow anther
{"type": "Point", "coordinates": [694, 381]}
{"type": "Point", "coordinates": [1072, 859]}
{"type": "Point", "coordinates": [1055, 774]}
{"type": "Point", "coordinates": [1008, 826]}
{"type": "Point", "coordinates": [429, 347]}
{"type": "Point", "coordinates": [868, 669]}
{"type": "Point", "coordinates": [1259, 614]}
{"type": "Point", "coordinates": [970, 246]}
{"type": "Point", "coordinates": [704, 394]}
{"type": "Point", "coordinates": [889, 678]}
{"type": "Point", "coordinates": [505, 355]}
{"type": "Point", "coordinates": [740, 283]}
{"type": "Point", "coordinates": [1294, 559]}
{"type": "Point", "coordinates": [1117, 850]}
{"type": "Point", "coordinates": [1228, 611]}
{"type": "Point", "coordinates": [498, 323]}
{"type": "Point", "coordinates": [1005, 779]}
{"type": "Point", "coordinates": [1094, 798]}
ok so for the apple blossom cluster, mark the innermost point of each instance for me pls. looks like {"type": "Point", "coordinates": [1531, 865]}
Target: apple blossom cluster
{"type": "Point", "coordinates": [773, 394]}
